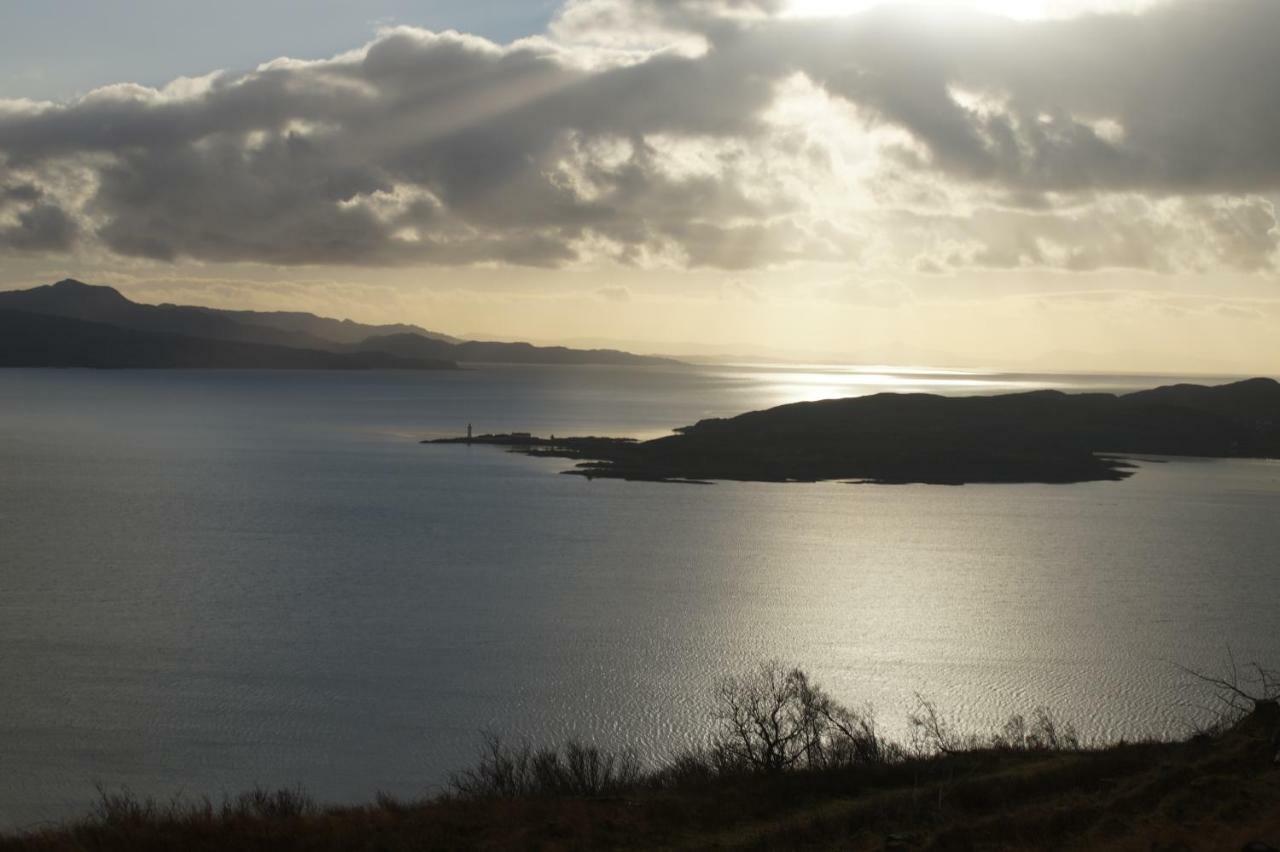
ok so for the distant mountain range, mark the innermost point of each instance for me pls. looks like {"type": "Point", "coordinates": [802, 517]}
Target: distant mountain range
{"type": "Point", "coordinates": [73, 324]}
{"type": "Point", "coordinates": [44, 340]}
{"type": "Point", "coordinates": [479, 351]}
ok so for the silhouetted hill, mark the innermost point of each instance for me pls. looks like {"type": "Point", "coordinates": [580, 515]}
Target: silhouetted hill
{"type": "Point", "coordinates": [44, 340]}
{"type": "Point", "coordinates": [1041, 436]}
{"type": "Point", "coordinates": [71, 298]}
{"type": "Point", "coordinates": [342, 331]}
{"type": "Point", "coordinates": [77, 300]}
{"type": "Point", "coordinates": [1254, 400]}
{"type": "Point", "coordinates": [476, 351]}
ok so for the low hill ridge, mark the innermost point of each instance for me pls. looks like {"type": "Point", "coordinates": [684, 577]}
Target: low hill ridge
{"type": "Point", "coordinates": [478, 351]}
{"type": "Point", "coordinates": [74, 299]}
{"type": "Point", "coordinates": [44, 340]}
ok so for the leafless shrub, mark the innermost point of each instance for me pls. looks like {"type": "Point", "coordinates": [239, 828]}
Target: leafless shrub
{"type": "Point", "coordinates": [1044, 733]}
{"type": "Point", "coordinates": [688, 768]}
{"type": "Point", "coordinates": [520, 770]}
{"type": "Point", "coordinates": [855, 738]}
{"type": "Point", "coordinates": [931, 733]}
{"type": "Point", "coordinates": [283, 803]}
{"type": "Point", "coordinates": [1240, 690]}
{"type": "Point", "coordinates": [123, 810]}
{"type": "Point", "coordinates": [390, 802]}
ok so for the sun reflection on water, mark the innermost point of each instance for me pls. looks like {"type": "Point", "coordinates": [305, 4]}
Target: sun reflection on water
{"type": "Point", "coordinates": [809, 382]}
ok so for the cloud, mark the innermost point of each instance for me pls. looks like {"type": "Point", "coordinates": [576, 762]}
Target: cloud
{"type": "Point", "coordinates": [421, 147]}
{"type": "Point", "coordinates": [871, 293]}
{"type": "Point", "coordinates": [28, 223]}
{"type": "Point", "coordinates": [658, 132]}
{"type": "Point", "coordinates": [1178, 99]}
{"type": "Point", "coordinates": [614, 294]}
{"type": "Point", "coordinates": [41, 227]}
{"type": "Point", "coordinates": [1115, 231]}
{"type": "Point", "coordinates": [738, 290]}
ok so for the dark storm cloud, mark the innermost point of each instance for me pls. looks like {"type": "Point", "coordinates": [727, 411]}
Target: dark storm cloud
{"type": "Point", "coordinates": [41, 227]}
{"type": "Point", "coordinates": [19, 192]}
{"type": "Point", "coordinates": [33, 224]}
{"type": "Point", "coordinates": [448, 149]}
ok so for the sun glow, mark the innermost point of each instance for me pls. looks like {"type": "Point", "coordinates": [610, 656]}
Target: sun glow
{"type": "Point", "coordinates": [1018, 9]}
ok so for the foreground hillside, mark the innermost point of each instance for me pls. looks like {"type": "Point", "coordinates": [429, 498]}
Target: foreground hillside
{"type": "Point", "coordinates": [813, 775]}
{"type": "Point", "coordinates": [1206, 794]}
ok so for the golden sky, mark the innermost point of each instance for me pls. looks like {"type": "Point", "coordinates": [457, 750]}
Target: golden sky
{"type": "Point", "coordinates": [1045, 184]}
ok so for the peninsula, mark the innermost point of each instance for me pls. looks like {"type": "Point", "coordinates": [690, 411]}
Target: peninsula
{"type": "Point", "coordinates": [1041, 436]}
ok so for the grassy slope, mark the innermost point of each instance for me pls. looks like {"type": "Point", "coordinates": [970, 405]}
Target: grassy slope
{"type": "Point", "coordinates": [1207, 793]}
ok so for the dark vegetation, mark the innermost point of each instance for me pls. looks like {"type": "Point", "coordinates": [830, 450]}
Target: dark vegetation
{"type": "Point", "coordinates": [1041, 436]}
{"type": "Point", "coordinates": [784, 766]}
{"type": "Point", "coordinates": [113, 331]}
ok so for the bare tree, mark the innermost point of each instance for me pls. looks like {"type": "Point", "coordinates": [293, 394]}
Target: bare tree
{"type": "Point", "coordinates": [931, 733]}
{"type": "Point", "coordinates": [775, 718]}
{"type": "Point", "coordinates": [1241, 690]}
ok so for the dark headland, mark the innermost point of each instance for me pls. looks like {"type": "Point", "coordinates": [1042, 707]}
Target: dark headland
{"type": "Point", "coordinates": [1041, 436]}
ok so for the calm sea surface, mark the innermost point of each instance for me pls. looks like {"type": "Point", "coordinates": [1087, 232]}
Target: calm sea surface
{"type": "Point", "coordinates": [210, 580]}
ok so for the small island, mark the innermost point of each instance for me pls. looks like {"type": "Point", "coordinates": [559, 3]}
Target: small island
{"type": "Point", "coordinates": [1039, 436]}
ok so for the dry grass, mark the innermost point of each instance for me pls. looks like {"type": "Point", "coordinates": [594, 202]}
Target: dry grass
{"type": "Point", "coordinates": [836, 786]}
{"type": "Point", "coordinates": [1207, 793]}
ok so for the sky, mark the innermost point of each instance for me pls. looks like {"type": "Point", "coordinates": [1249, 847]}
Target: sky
{"type": "Point", "coordinates": [1036, 184]}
